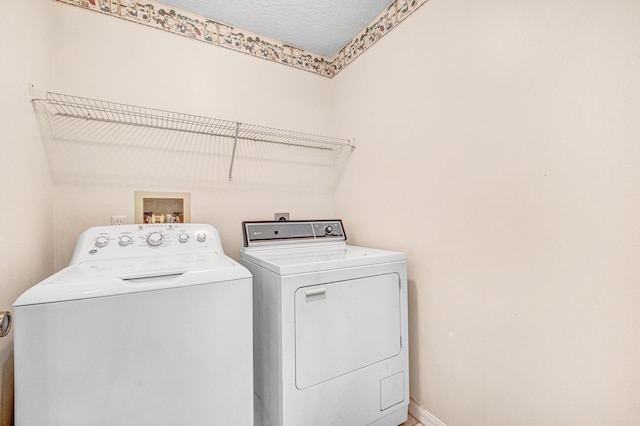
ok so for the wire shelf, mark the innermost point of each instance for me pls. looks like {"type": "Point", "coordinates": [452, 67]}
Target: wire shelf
{"type": "Point", "coordinates": [59, 107]}
{"type": "Point", "coordinates": [112, 112]}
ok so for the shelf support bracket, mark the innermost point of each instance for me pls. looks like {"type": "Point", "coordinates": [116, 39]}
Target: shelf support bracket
{"type": "Point", "coordinates": [233, 154]}
{"type": "Point", "coordinates": [36, 93]}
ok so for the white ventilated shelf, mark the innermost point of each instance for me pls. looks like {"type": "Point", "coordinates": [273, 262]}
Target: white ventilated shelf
{"type": "Point", "coordinates": [69, 119]}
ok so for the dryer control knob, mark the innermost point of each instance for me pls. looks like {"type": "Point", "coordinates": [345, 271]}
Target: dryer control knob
{"type": "Point", "coordinates": [201, 237]}
{"type": "Point", "coordinates": [125, 240]}
{"type": "Point", "coordinates": [328, 230]}
{"type": "Point", "coordinates": [102, 241]}
{"type": "Point", "coordinates": [155, 239]}
{"type": "Point", "coordinates": [183, 237]}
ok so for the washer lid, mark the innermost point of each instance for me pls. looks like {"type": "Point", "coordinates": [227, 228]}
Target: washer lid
{"type": "Point", "coordinates": [123, 276]}
{"type": "Point", "coordinates": [297, 260]}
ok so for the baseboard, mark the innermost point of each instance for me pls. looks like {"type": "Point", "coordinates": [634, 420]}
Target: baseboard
{"type": "Point", "coordinates": [423, 416]}
{"type": "Point", "coordinates": [6, 394]}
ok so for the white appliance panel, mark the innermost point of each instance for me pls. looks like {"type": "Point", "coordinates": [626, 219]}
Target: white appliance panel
{"type": "Point", "coordinates": [392, 390]}
{"type": "Point", "coordinates": [127, 360]}
{"type": "Point", "coordinates": [278, 400]}
{"type": "Point", "coordinates": [343, 326]}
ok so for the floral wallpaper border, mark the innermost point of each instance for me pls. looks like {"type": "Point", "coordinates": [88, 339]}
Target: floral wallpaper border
{"type": "Point", "coordinates": [157, 15]}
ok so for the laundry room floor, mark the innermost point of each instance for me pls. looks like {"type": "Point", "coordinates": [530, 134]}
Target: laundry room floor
{"type": "Point", "coordinates": [411, 422]}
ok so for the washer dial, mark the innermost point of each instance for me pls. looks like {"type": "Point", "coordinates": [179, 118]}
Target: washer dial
{"type": "Point", "coordinates": [183, 237]}
{"type": "Point", "coordinates": [102, 241]}
{"type": "Point", "coordinates": [125, 240]}
{"type": "Point", "coordinates": [202, 236]}
{"type": "Point", "coordinates": [155, 239]}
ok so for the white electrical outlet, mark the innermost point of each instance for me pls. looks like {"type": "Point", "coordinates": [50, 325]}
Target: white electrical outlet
{"type": "Point", "coordinates": [281, 216]}
{"type": "Point", "coordinates": [118, 220]}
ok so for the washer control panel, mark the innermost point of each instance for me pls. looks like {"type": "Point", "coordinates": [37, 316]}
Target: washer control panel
{"type": "Point", "coordinates": [285, 232]}
{"type": "Point", "coordinates": [114, 242]}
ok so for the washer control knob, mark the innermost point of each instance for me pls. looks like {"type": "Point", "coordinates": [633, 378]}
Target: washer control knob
{"type": "Point", "coordinates": [183, 237]}
{"type": "Point", "coordinates": [155, 239]}
{"type": "Point", "coordinates": [102, 241]}
{"type": "Point", "coordinates": [201, 237]}
{"type": "Point", "coordinates": [328, 230]}
{"type": "Point", "coordinates": [125, 240]}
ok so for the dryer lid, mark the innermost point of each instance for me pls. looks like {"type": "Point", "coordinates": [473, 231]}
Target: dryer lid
{"type": "Point", "coordinates": [298, 260]}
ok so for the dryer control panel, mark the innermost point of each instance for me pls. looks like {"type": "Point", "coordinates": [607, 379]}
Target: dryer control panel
{"type": "Point", "coordinates": [126, 241]}
{"type": "Point", "coordinates": [285, 232]}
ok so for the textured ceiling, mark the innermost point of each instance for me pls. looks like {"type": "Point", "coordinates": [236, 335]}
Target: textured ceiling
{"type": "Point", "coordinates": [320, 26]}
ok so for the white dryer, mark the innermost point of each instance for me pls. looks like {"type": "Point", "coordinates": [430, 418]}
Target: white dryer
{"type": "Point", "coordinates": [330, 327]}
{"type": "Point", "coordinates": [148, 325]}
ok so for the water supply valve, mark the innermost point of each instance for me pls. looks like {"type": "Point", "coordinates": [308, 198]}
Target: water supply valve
{"type": "Point", "coordinates": [5, 323]}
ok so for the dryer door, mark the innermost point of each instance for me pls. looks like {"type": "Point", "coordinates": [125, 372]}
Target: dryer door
{"type": "Point", "coordinates": [344, 326]}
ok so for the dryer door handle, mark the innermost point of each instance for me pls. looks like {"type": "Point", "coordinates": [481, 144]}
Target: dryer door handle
{"type": "Point", "coordinates": [315, 294]}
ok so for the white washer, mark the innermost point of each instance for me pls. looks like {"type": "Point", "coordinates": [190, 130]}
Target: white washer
{"type": "Point", "coordinates": [148, 325]}
{"type": "Point", "coordinates": [330, 327]}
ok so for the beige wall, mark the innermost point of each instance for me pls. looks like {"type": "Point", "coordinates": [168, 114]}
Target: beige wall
{"type": "Point", "coordinates": [107, 58]}
{"type": "Point", "coordinates": [26, 235]}
{"type": "Point", "coordinates": [499, 146]}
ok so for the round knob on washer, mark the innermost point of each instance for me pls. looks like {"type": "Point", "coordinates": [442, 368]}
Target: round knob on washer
{"type": "Point", "coordinates": [125, 240]}
{"type": "Point", "coordinates": [102, 241]}
{"type": "Point", "coordinates": [328, 230]}
{"type": "Point", "coordinates": [155, 239]}
{"type": "Point", "coordinates": [183, 237]}
{"type": "Point", "coordinates": [201, 237]}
